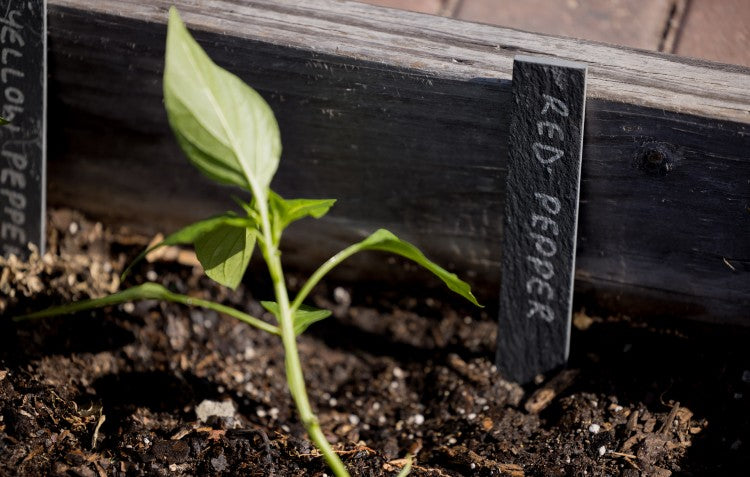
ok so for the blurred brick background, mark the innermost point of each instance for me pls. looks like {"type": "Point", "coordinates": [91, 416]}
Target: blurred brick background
{"type": "Point", "coordinates": [717, 30]}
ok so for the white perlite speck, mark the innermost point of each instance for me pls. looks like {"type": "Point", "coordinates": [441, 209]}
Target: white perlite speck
{"type": "Point", "coordinates": [208, 408]}
{"type": "Point", "coordinates": [594, 428]}
{"type": "Point", "coordinates": [602, 451]}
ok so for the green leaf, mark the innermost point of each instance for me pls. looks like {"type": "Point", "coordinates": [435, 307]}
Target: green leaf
{"type": "Point", "coordinates": [224, 127]}
{"type": "Point", "coordinates": [224, 252]}
{"type": "Point", "coordinates": [303, 317]}
{"type": "Point", "coordinates": [287, 211]}
{"type": "Point", "coordinates": [188, 235]}
{"type": "Point", "coordinates": [3, 121]}
{"type": "Point", "coordinates": [148, 291]}
{"type": "Point", "coordinates": [387, 242]}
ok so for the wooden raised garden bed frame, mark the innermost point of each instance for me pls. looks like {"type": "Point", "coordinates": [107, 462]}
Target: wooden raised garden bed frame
{"type": "Point", "coordinates": [404, 117]}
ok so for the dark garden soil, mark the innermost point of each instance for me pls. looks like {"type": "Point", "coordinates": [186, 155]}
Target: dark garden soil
{"type": "Point", "coordinates": [118, 392]}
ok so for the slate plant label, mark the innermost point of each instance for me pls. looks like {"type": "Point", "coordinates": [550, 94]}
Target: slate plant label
{"type": "Point", "coordinates": [541, 215]}
{"type": "Point", "coordinates": [22, 141]}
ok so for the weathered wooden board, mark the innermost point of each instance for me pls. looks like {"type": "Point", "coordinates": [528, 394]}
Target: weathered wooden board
{"type": "Point", "coordinates": [404, 118]}
{"type": "Point", "coordinates": [23, 80]}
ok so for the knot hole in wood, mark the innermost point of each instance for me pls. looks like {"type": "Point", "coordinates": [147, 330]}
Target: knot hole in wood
{"type": "Point", "coordinates": [656, 158]}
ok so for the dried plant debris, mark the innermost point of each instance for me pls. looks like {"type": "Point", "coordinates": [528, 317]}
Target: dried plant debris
{"type": "Point", "coordinates": [76, 265]}
{"type": "Point", "coordinates": [161, 389]}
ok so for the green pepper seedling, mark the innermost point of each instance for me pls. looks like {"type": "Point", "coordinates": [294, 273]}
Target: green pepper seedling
{"type": "Point", "coordinates": [230, 134]}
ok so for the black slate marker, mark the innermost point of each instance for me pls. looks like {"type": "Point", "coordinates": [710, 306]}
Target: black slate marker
{"type": "Point", "coordinates": [23, 85]}
{"type": "Point", "coordinates": [541, 215]}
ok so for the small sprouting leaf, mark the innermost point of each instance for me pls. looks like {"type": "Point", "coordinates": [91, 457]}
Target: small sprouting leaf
{"type": "Point", "coordinates": [224, 126]}
{"type": "Point", "coordinates": [387, 242]}
{"type": "Point", "coordinates": [406, 469]}
{"type": "Point", "coordinates": [303, 317]}
{"type": "Point", "coordinates": [224, 252]}
{"type": "Point", "coordinates": [3, 121]}
{"type": "Point", "coordinates": [189, 234]}
{"type": "Point", "coordinates": [286, 211]}
{"type": "Point", "coordinates": [290, 210]}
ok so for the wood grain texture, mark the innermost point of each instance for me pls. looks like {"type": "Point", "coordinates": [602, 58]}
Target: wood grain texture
{"type": "Point", "coordinates": [404, 118]}
{"type": "Point", "coordinates": [451, 49]}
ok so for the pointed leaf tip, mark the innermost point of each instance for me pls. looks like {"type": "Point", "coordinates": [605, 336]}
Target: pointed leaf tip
{"type": "Point", "coordinates": [225, 127]}
{"type": "Point", "coordinates": [146, 291]}
{"type": "Point", "coordinates": [386, 241]}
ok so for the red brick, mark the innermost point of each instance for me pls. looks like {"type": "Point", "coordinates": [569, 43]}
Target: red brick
{"type": "Point", "coordinates": [423, 6]}
{"type": "Point", "coordinates": [716, 30]}
{"type": "Point", "coordinates": [634, 23]}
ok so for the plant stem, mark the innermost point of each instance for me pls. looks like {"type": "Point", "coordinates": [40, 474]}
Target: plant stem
{"type": "Point", "coordinates": [321, 272]}
{"type": "Point", "coordinates": [294, 376]}
{"type": "Point", "coordinates": [250, 320]}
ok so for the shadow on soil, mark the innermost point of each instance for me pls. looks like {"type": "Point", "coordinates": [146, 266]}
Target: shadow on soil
{"type": "Point", "coordinates": [66, 335]}
{"type": "Point", "coordinates": [703, 367]}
